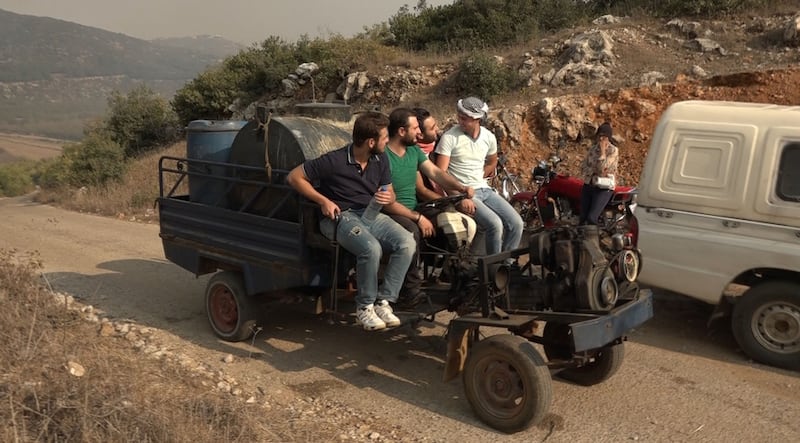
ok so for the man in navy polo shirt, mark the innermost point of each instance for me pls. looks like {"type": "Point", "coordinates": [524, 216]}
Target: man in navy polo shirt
{"type": "Point", "coordinates": [348, 178]}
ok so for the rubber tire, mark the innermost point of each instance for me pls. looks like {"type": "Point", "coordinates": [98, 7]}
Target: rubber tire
{"type": "Point", "coordinates": [767, 293]}
{"type": "Point", "coordinates": [607, 361]}
{"type": "Point", "coordinates": [488, 365]}
{"type": "Point", "coordinates": [228, 308]}
{"type": "Point", "coordinates": [558, 333]}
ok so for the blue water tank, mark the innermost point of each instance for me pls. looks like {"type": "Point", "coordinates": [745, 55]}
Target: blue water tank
{"type": "Point", "coordinates": [210, 140]}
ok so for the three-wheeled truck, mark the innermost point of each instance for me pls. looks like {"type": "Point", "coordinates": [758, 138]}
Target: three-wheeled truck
{"type": "Point", "coordinates": [242, 222]}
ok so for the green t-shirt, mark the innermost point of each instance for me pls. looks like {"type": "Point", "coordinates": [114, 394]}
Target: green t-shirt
{"type": "Point", "coordinates": [404, 174]}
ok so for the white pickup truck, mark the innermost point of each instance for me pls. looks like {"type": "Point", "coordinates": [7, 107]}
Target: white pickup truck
{"type": "Point", "coordinates": [719, 208]}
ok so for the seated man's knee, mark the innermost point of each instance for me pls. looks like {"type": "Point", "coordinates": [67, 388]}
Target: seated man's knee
{"type": "Point", "coordinates": [492, 225]}
{"type": "Point", "coordinates": [372, 249]}
{"type": "Point", "coordinates": [516, 224]}
{"type": "Point", "coordinates": [410, 242]}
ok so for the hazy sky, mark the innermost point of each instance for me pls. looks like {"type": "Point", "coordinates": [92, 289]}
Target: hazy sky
{"type": "Point", "coordinates": [243, 21]}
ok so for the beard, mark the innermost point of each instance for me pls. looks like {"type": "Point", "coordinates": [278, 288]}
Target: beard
{"type": "Point", "coordinates": [408, 141]}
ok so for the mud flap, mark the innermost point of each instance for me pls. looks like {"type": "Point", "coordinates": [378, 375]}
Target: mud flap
{"type": "Point", "coordinates": [456, 353]}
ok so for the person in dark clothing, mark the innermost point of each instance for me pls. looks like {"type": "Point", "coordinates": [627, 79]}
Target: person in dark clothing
{"type": "Point", "coordinates": [599, 171]}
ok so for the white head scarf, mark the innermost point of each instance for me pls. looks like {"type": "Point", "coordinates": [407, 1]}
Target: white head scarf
{"type": "Point", "coordinates": [473, 107]}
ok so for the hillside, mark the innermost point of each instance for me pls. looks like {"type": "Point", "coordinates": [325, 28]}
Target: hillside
{"type": "Point", "coordinates": [619, 69]}
{"type": "Point", "coordinates": [36, 48]}
{"type": "Point", "coordinates": [56, 75]}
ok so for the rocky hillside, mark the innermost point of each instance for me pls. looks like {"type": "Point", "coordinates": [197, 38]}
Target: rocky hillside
{"type": "Point", "coordinates": [620, 70]}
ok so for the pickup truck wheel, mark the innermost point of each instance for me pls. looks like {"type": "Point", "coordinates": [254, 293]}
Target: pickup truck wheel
{"type": "Point", "coordinates": [766, 323]}
{"type": "Point", "coordinates": [229, 311]}
{"type": "Point", "coordinates": [507, 383]}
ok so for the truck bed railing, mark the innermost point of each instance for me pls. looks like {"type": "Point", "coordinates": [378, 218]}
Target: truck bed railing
{"type": "Point", "coordinates": [232, 175]}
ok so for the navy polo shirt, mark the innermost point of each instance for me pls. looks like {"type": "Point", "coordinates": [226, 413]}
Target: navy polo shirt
{"type": "Point", "coordinates": [340, 178]}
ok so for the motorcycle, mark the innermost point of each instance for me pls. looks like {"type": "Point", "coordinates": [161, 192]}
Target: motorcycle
{"type": "Point", "coordinates": [555, 202]}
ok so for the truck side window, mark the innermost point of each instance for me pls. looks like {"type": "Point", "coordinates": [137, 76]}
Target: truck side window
{"type": "Point", "coordinates": [788, 186]}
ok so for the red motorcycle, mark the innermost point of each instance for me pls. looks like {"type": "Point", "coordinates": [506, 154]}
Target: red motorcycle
{"type": "Point", "coordinates": [555, 201]}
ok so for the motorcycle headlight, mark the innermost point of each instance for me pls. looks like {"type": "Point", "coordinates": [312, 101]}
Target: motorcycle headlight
{"type": "Point", "coordinates": [539, 173]}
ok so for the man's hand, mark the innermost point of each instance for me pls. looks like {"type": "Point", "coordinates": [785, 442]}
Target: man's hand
{"type": "Point", "coordinates": [425, 226]}
{"type": "Point", "coordinates": [469, 191]}
{"type": "Point", "coordinates": [467, 206]}
{"type": "Point", "coordinates": [330, 209]}
{"type": "Point", "coordinates": [385, 197]}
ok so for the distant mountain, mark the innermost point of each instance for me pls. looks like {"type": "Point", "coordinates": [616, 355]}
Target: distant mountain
{"type": "Point", "coordinates": [206, 44]}
{"type": "Point", "coordinates": [34, 48]}
{"type": "Point", "coordinates": [57, 75]}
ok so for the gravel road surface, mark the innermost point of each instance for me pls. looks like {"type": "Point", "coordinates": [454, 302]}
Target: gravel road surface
{"type": "Point", "coordinates": [680, 380]}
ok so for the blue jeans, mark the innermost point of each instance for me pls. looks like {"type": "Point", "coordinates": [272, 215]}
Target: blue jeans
{"type": "Point", "coordinates": [367, 245]}
{"type": "Point", "coordinates": [503, 225]}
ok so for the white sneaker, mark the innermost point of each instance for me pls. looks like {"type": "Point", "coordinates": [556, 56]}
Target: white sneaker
{"type": "Point", "coordinates": [369, 319]}
{"type": "Point", "coordinates": [384, 311]}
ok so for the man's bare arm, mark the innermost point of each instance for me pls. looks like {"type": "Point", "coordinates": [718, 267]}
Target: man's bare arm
{"type": "Point", "coordinates": [297, 179]}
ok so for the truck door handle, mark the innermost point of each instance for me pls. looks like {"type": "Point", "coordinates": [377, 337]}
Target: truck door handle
{"type": "Point", "coordinates": [730, 223]}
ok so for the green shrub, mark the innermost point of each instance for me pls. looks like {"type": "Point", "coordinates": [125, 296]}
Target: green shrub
{"type": "Point", "coordinates": [338, 55]}
{"type": "Point", "coordinates": [246, 76]}
{"type": "Point", "coordinates": [702, 8]}
{"type": "Point", "coordinates": [140, 120]}
{"type": "Point", "coordinates": [482, 75]}
{"type": "Point", "coordinates": [16, 178]}
{"type": "Point", "coordinates": [53, 173]}
{"type": "Point", "coordinates": [258, 71]}
{"type": "Point", "coordinates": [466, 25]}
{"type": "Point", "coordinates": [94, 161]}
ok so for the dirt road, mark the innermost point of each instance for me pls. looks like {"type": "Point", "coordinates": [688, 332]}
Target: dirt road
{"type": "Point", "coordinates": [679, 382]}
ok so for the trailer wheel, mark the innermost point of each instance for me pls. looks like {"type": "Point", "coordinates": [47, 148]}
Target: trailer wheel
{"type": "Point", "coordinates": [230, 312]}
{"type": "Point", "coordinates": [507, 383]}
{"type": "Point", "coordinates": [604, 362]}
{"type": "Point", "coordinates": [766, 323]}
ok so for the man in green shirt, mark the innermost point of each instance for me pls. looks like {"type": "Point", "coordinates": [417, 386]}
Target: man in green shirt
{"type": "Point", "coordinates": [405, 159]}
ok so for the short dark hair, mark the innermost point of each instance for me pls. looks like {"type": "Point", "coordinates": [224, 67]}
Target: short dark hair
{"type": "Point", "coordinates": [398, 118]}
{"type": "Point", "coordinates": [421, 114]}
{"type": "Point", "coordinates": [368, 125]}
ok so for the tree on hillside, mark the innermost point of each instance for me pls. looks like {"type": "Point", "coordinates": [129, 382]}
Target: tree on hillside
{"type": "Point", "coordinates": [140, 120]}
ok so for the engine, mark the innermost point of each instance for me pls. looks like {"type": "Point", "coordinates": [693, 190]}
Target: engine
{"type": "Point", "coordinates": [575, 273]}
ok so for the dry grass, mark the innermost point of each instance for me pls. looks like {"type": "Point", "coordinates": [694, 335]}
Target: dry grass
{"type": "Point", "coordinates": [15, 147]}
{"type": "Point", "coordinates": [132, 199]}
{"type": "Point", "coordinates": [123, 396]}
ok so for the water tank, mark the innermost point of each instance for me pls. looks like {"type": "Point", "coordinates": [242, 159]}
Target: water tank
{"type": "Point", "coordinates": [333, 111]}
{"type": "Point", "coordinates": [210, 140]}
{"type": "Point", "coordinates": [291, 141]}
